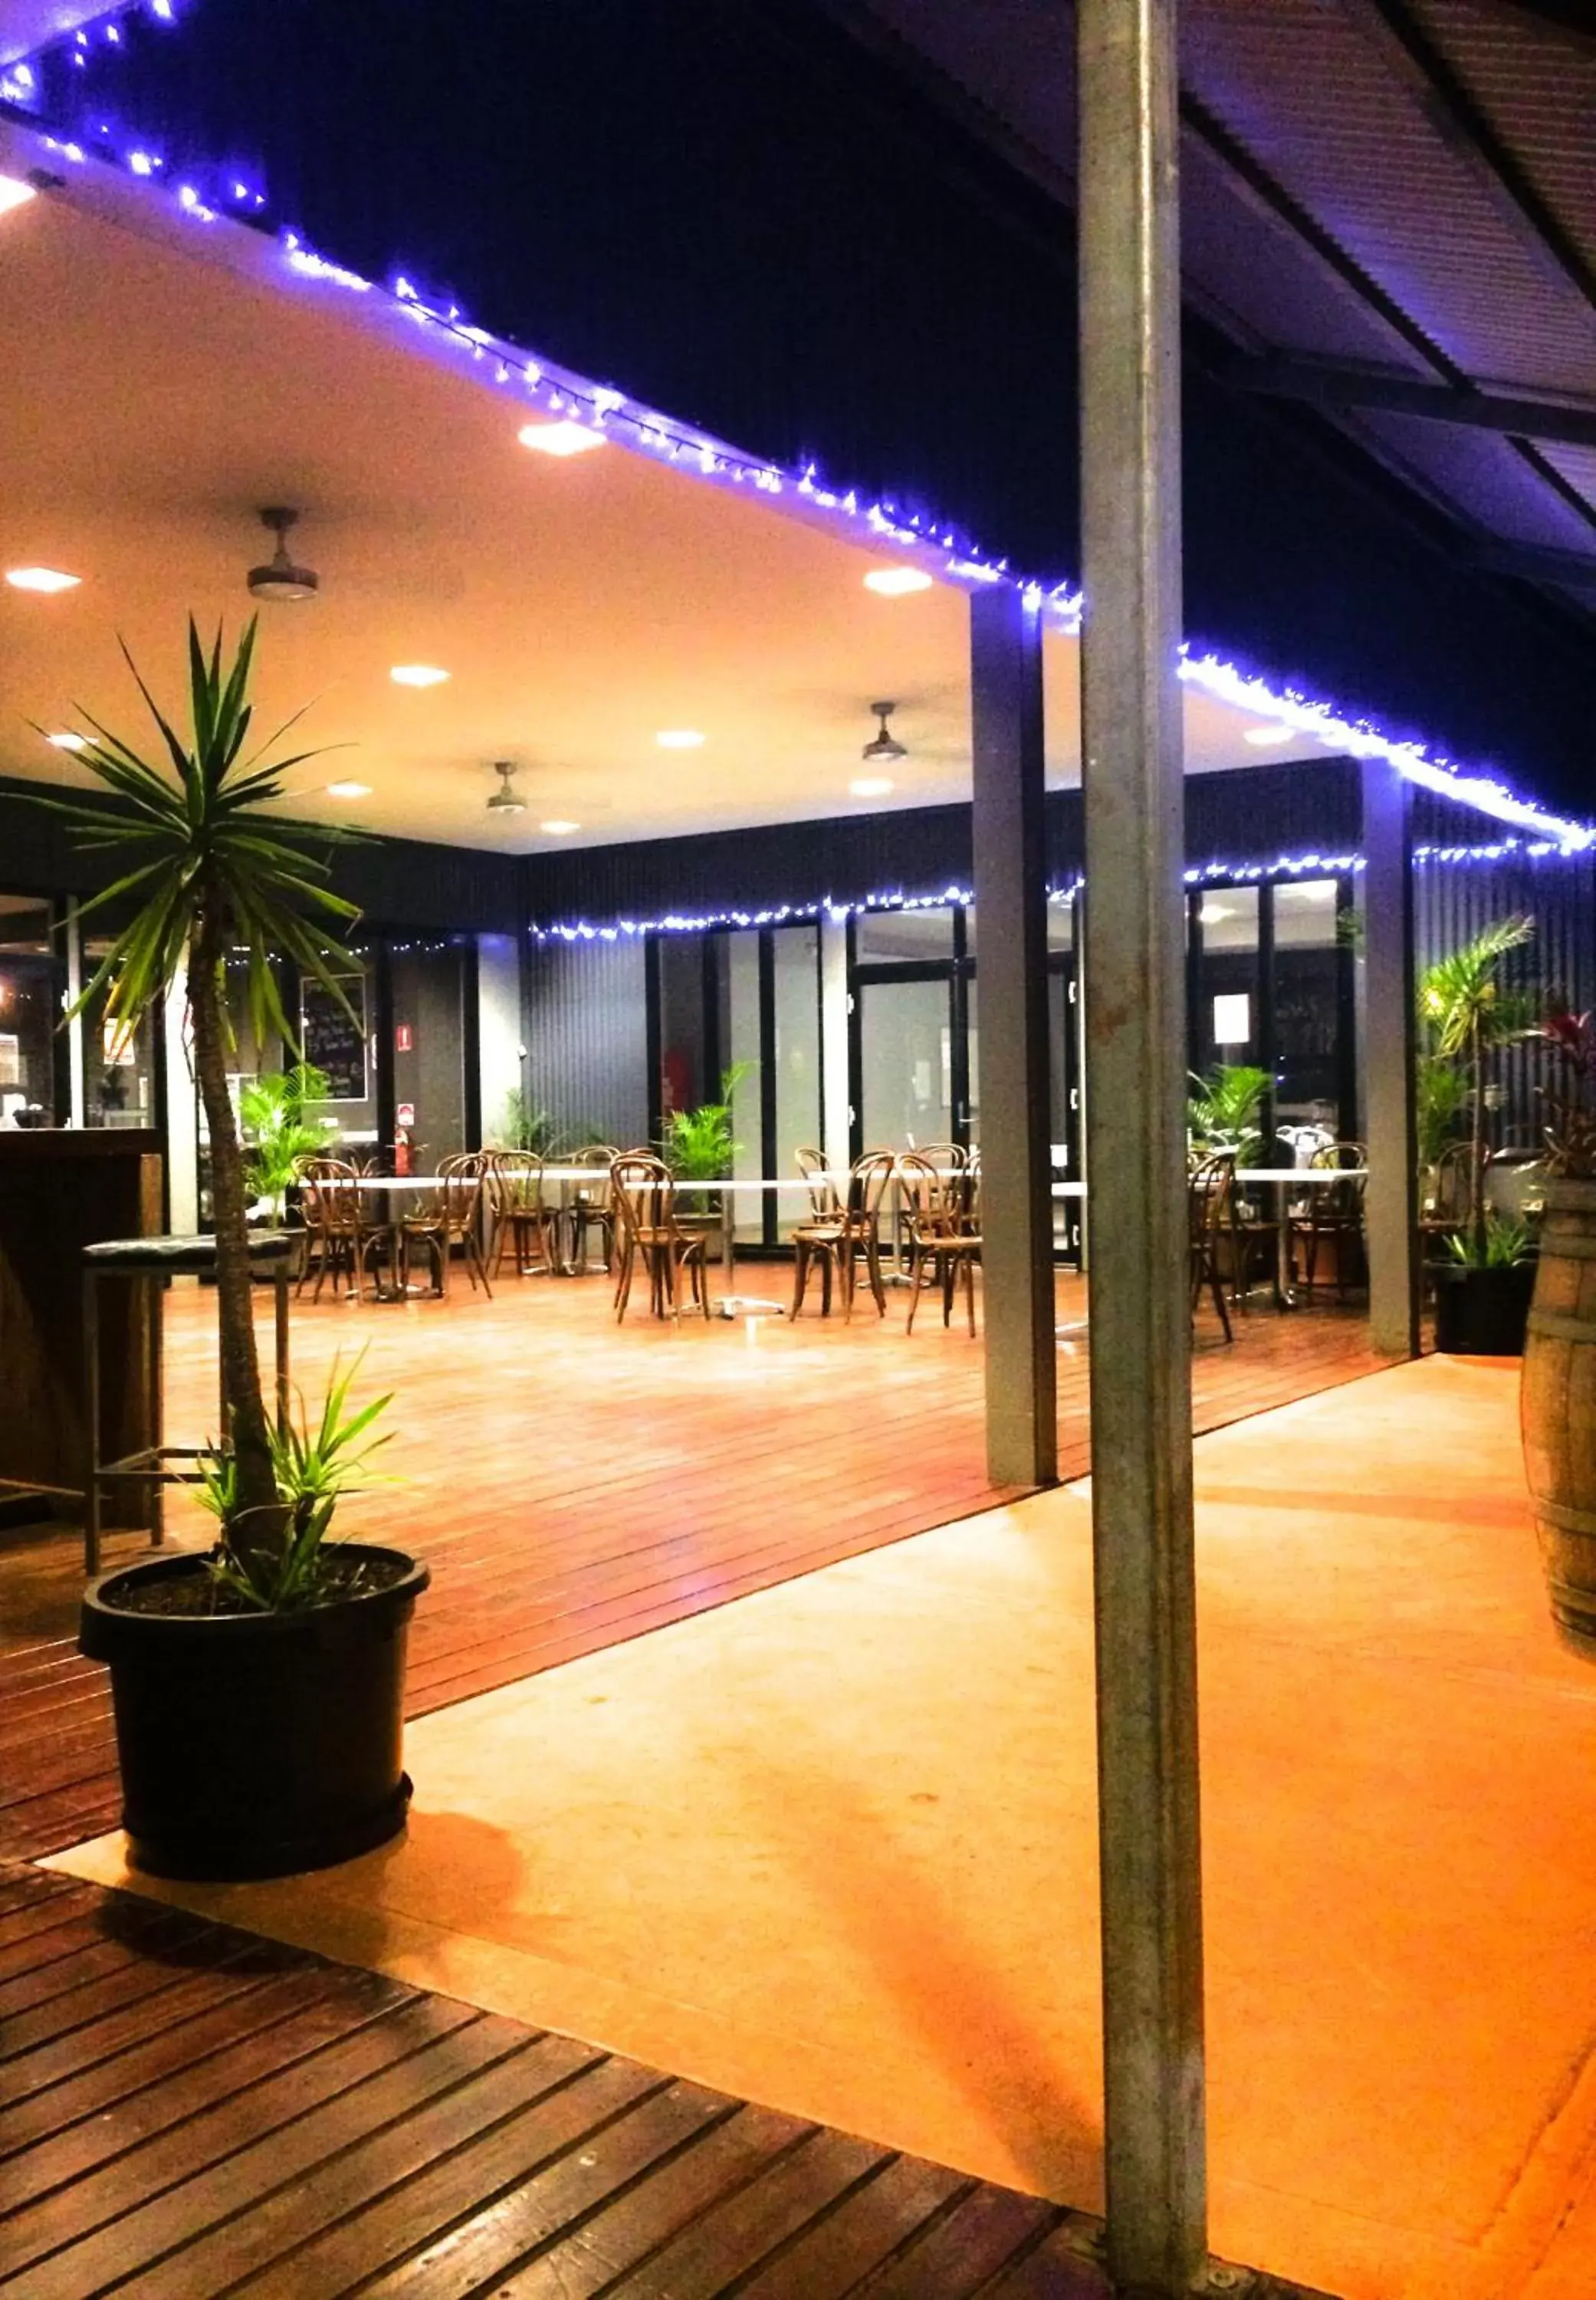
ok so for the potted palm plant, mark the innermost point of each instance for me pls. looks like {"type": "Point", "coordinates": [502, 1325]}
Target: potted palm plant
{"type": "Point", "coordinates": [698, 1145]}
{"type": "Point", "coordinates": [258, 1689]}
{"type": "Point", "coordinates": [1557, 1390]}
{"type": "Point", "coordinates": [274, 1112]}
{"type": "Point", "coordinates": [1469, 1014]}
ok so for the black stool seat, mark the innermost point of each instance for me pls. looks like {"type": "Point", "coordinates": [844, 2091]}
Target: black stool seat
{"type": "Point", "coordinates": [181, 1257]}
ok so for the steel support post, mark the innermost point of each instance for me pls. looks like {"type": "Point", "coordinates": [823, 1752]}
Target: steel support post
{"type": "Point", "coordinates": [1390, 1205]}
{"type": "Point", "coordinates": [1017, 1219]}
{"type": "Point", "coordinates": [1136, 1051]}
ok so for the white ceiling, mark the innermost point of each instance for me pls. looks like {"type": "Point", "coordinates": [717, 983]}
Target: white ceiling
{"type": "Point", "coordinates": [166, 388]}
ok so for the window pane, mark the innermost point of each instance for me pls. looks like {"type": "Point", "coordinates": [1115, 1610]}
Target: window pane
{"type": "Point", "coordinates": [1307, 1013]}
{"type": "Point", "coordinates": [32, 978]}
{"type": "Point", "coordinates": [905, 1063]}
{"type": "Point", "coordinates": [880, 936]}
{"type": "Point", "coordinates": [118, 1078]}
{"type": "Point", "coordinates": [1225, 1023]}
{"type": "Point", "coordinates": [796, 1059]}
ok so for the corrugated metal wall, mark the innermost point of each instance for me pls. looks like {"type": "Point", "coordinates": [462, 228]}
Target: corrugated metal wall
{"type": "Point", "coordinates": [1453, 900]}
{"type": "Point", "coordinates": [587, 1038]}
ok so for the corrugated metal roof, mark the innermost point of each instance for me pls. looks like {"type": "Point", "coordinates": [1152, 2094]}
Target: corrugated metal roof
{"type": "Point", "coordinates": [1406, 182]}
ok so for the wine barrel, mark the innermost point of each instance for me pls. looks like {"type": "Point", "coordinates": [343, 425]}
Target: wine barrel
{"type": "Point", "coordinates": [1559, 1409]}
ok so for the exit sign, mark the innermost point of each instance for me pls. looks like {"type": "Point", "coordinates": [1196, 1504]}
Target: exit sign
{"type": "Point", "coordinates": [404, 1038]}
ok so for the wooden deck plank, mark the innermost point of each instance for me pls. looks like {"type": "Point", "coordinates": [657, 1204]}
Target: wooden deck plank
{"type": "Point", "coordinates": [396, 2193]}
{"type": "Point", "coordinates": [312, 2132]}
{"type": "Point", "coordinates": [617, 1479]}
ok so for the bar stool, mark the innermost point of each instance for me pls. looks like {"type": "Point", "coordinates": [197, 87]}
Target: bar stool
{"type": "Point", "coordinates": [270, 1254]}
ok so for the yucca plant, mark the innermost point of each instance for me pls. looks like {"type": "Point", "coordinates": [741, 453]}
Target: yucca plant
{"type": "Point", "coordinates": [210, 871]}
{"type": "Point", "coordinates": [1469, 1013]}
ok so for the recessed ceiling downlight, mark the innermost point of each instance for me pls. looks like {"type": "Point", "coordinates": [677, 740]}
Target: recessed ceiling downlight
{"type": "Point", "coordinates": [417, 674]}
{"type": "Point", "coordinates": [871, 786]}
{"type": "Point", "coordinates": [679, 738]}
{"type": "Point", "coordinates": [67, 741]}
{"type": "Point", "coordinates": [566, 438]}
{"type": "Point", "coordinates": [349, 790]}
{"type": "Point", "coordinates": [41, 579]}
{"type": "Point", "coordinates": [1266, 738]}
{"type": "Point", "coordinates": [557, 828]}
{"type": "Point", "coordinates": [15, 194]}
{"type": "Point", "coordinates": [896, 582]}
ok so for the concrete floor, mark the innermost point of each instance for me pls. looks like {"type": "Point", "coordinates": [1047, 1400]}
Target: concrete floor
{"type": "Point", "coordinates": [832, 1847]}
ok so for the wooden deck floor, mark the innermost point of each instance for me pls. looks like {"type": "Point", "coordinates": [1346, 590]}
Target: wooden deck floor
{"type": "Point", "coordinates": [574, 1484]}
{"type": "Point", "coordinates": [186, 2111]}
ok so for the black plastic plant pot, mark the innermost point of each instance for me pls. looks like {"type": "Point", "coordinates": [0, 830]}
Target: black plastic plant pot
{"type": "Point", "coordinates": [1482, 1313]}
{"type": "Point", "coordinates": [256, 1745]}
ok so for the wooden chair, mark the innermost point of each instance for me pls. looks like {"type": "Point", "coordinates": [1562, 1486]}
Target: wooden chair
{"type": "Point", "coordinates": [453, 1218]}
{"type": "Point", "coordinates": [942, 1221]}
{"type": "Point", "coordinates": [518, 1220]}
{"type": "Point", "coordinates": [819, 1236]}
{"type": "Point", "coordinates": [592, 1207]}
{"type": "Point", "coordinates": [353, 1238]}
{"type": "Point", "coordinates": [1444, 1204]}
{"type": "Point", "coordinates": [644, 1200]}
{"type": "Point", "coordinates": [1333, 1211]}
{"type": "Point", "coordinates": [1208, 1186]}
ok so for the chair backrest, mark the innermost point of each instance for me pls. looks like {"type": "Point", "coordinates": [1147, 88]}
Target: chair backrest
{"type": "Point", "coordinates": [595, 1196]}
{"type": "Point", "coordinates": [817, 1179]}
{"type": "Point", "coordinates": [335, 1209]}
{"type": "Point", "coordinates": [1208, 1186]}
{"type": "Point", "coordinates": [949, 1157]}
{"type": "Point", "coordinates": [868, 1182]}
{"type": "Point", "coordinates": [645, 1190]}
{"type": "Point", "coordinates": [931, 1195]}
{"type": "Point", "coordinates": [513, 1179]}
{"type": "Point", "coordinates": [1339, 1200]}
{"type": "Point", "coordinates": [460, 1194]}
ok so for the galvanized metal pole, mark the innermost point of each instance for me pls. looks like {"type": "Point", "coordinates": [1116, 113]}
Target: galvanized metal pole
{"type": "Point", "coordinates": [1017, 1213]}
{"type": "Point", "coordinates": [1389, 1206]}
{"type": "Point", "coordinates": [1139, 1302]}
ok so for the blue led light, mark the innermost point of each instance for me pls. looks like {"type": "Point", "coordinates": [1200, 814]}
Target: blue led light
{"type": "Point", "coordinates": [605, 407]}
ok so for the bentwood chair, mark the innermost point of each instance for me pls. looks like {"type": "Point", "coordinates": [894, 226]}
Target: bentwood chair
{"type": "Point", "coordinates": [944, 1247]}
{"type": "Point", "coordinates": [452, 1218]}
{"type": "Point", "coordinates": [1445, 1206]}
{"type": "Point", "coordinates": [843, 1232]}
{"type": "Point", "coordinates": [1333, 1213]}
{"type": "Point", "coordinates": [592, 1207]}
{"type": "Point", "coordinates": [1208, 1186]}
{"type": "Point", "coordinates": [520, 1222]}
{"type": "Point", "coordinates": [652, 1232]}
{"type": "Point", "coordinates": [338, 1208]}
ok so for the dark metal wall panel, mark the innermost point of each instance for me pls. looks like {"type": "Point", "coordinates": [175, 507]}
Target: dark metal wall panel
{"type": "Point", "coordinates": [587, 1038]}
{"type": "Point", "coordinates": [1454, 900]}
{"type": "Point", "coordinates": [397, 882]}
{"type": "Point", "coordinates": [1249, 815]}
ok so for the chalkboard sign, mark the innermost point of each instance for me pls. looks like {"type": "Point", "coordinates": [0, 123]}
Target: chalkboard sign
{"type": "Point", "coordinates": [332, 1042]}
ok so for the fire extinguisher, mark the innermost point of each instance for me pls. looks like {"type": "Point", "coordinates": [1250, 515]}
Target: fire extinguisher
{"type": "Point", "coordinates": [401, 1150]}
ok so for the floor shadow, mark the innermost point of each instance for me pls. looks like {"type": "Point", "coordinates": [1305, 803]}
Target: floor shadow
{"type": "Point", "coordinates": [1048, 2116]}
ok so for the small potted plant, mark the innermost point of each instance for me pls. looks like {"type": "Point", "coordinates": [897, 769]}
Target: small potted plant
{"type": "Point", "coordinates": [258, 1689]}
{"type": "Point", "coordinates": [699, 1145]}
{"type": "Point", "coordinates": [275, 1114]}
{"type": "Point", "coordinates": [1468, 1013]}
{"type": "Point", "coordinates": [1557, 1390]}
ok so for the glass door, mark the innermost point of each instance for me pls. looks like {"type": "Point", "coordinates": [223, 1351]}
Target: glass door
{"type": "Point", "coordinates": [907, 1094]}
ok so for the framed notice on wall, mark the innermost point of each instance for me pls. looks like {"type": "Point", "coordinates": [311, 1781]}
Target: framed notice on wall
{"type": "Point", "coordinates": [334, 1040]}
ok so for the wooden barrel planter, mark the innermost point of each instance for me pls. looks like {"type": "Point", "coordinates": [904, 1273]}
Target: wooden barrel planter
{"type": "Point", "coordinates": [1559, 1408]}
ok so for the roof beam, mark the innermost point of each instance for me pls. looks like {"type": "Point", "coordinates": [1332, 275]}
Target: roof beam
{"type": "Point", "coordinates": [1450, 107]}
{"type": "Point", "coordinates": [1339, 383]}
{"type": "Point", "coordinates": [1532, 563]}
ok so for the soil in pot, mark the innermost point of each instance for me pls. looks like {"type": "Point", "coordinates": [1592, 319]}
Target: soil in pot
{"type": "Point", "coordinates": [254, 1745]}
{"type": "Point", "coordinates": [1483, 1313]}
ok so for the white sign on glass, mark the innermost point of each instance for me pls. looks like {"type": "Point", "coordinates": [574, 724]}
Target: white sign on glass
{"type": "Point", "coordinates": [1233, 1019]}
